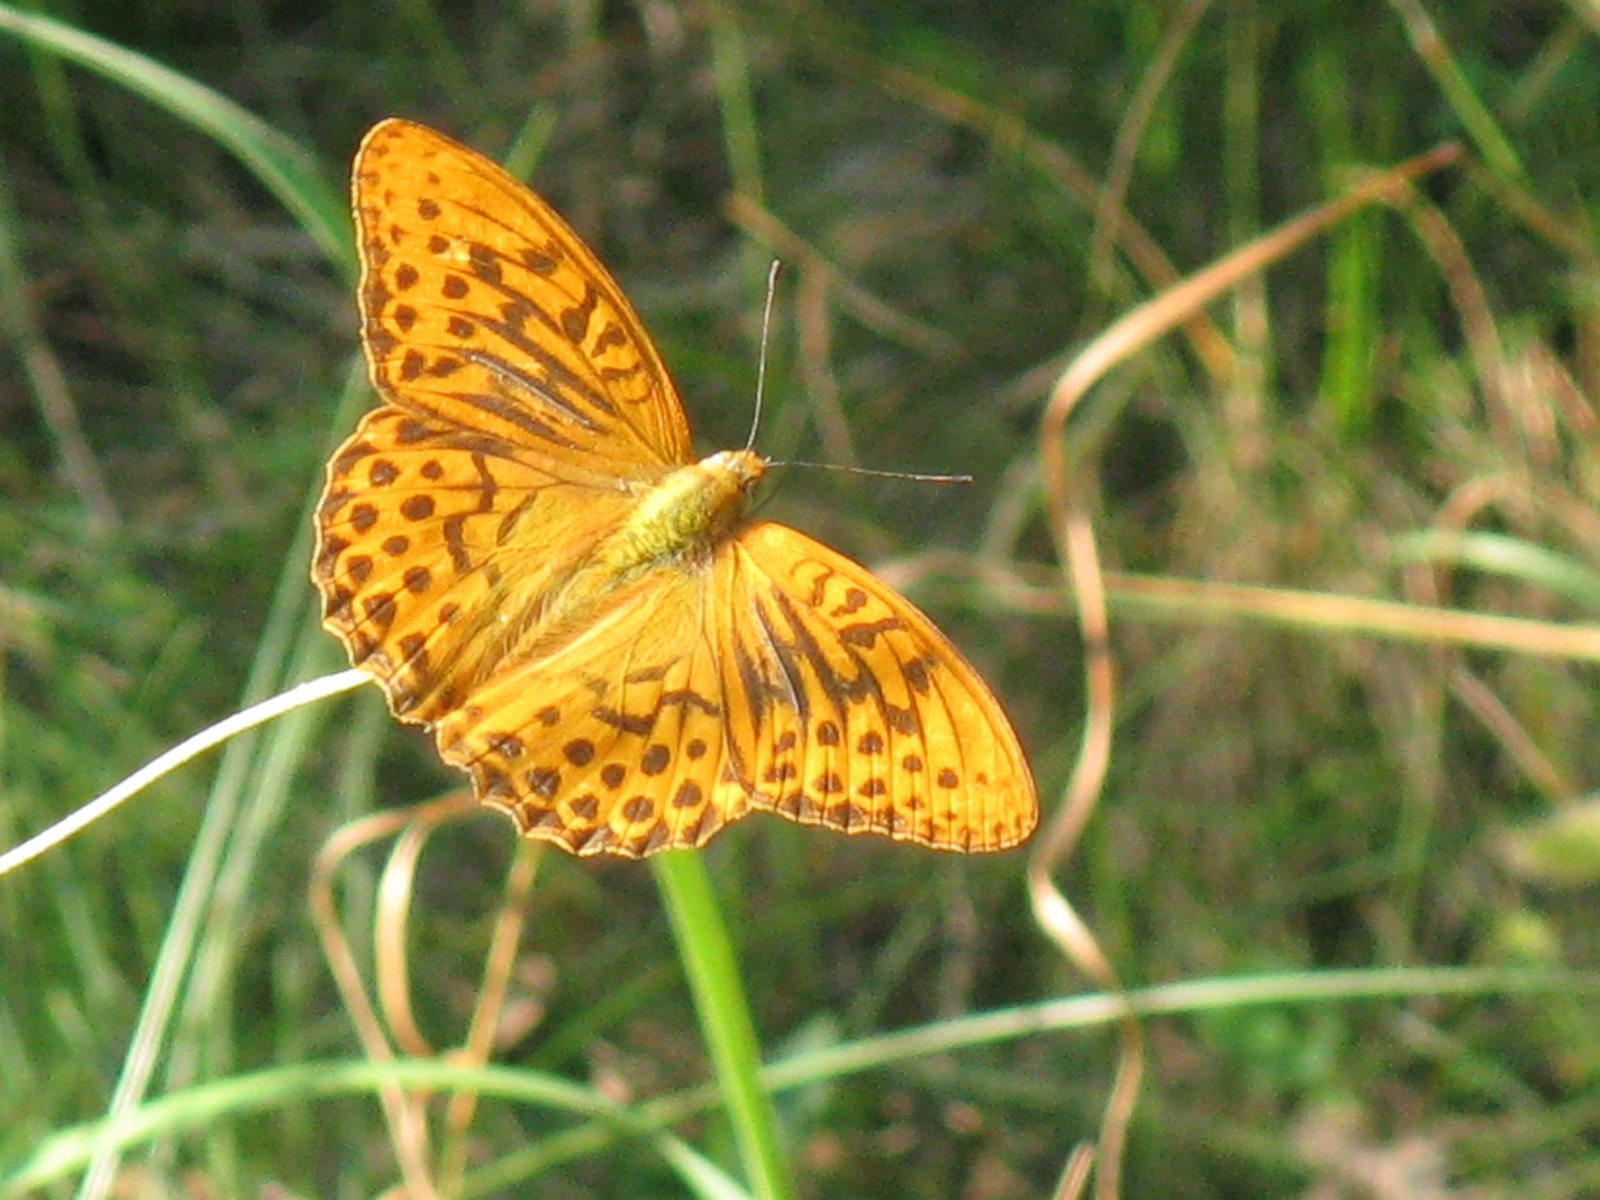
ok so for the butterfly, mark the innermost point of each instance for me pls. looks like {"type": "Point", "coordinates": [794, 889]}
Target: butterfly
{"type": "Point", "coordinates": [519, 547]}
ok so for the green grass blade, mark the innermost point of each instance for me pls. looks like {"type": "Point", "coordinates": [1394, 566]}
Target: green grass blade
{"type": "Point", "coordinates": [289, 173]}
{"type": "Point", "coordinates": [725, 1021]}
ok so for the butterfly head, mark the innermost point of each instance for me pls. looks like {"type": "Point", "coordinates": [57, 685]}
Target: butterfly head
{"type": "Point", "coordinates": [717, 491]}
{"type": "Point", "coordinates": [738, 470]}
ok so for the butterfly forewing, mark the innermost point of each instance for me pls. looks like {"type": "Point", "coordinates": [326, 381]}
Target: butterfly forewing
{"type": "Point", "coordinates": [522, 401]}
{"type": "Point", "coordinates": [480, 306]}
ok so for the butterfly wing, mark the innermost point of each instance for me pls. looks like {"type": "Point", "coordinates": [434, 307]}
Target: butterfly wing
{"type": "Point", "coordinates": [616, 742]}
{"type": "Point", "coordinates": [481, 307]}
{"type": "Point", "coordinates": [847, 708]}
{"type": "Point", "coordinates": [524, 407]}
{"type": "Point", "coordinates": [778, 676]}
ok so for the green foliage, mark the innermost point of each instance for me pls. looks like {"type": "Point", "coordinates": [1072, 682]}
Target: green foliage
{"type": "Point", "coordinates": [1301, 799]}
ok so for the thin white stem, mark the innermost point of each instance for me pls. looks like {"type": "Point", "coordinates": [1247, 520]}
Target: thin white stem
{"type": "Point", "coordinates": [171, 760]}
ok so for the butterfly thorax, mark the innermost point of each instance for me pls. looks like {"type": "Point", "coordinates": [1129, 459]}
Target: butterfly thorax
{"type": "Point", "coordinates": [682, 517]}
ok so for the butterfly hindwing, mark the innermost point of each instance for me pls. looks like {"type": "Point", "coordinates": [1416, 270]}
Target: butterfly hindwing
{"type": "Point", "coordinates": [615, 742]}
{"type": "Point", "coordinates": [787, 679]}
{"type": "Point", "coordinates": [848, 708]}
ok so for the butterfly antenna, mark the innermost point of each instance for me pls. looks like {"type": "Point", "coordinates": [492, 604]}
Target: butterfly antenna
{"type": "Point", "coordinates": [911, 475]}
{"type": "Point", "coordinates": [761, 360]}
{"type": "Point", "coordinates": [761, 389]}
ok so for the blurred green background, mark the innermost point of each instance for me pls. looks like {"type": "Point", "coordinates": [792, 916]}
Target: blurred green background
{"type": "Point", "coordinates": [963, 195]}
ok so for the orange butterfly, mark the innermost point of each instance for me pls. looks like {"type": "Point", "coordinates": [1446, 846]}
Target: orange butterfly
{"type": "Point", "coordinates": [518, 547]}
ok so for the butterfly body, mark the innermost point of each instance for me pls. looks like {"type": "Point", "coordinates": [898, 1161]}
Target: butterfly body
{"type": "Point", "coordinates": [685, 515]}
{"type": "Point", "coordinates": [518, 547]}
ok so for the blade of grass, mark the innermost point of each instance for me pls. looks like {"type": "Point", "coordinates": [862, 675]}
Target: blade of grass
{"type": "Point", "coordinates": [195, 1108]}
{"type": "Point", "coordinates": [725, 1020]}
{"type": "Point", "coordinates": [1514, 558]}
{"type": "Point", "coordinates": [202, 1107]}
{"type": "Point", "coordinates": [290, 173]}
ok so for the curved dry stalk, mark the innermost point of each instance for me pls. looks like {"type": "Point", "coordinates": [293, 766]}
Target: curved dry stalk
{"type": "Point", "coordinates": [1074, 536]}
{"type": "Point", "coordinates": [499, 961]}
{"type": "Point", "coordinates": [404, 1113]}
{"type": "Point", "coordinates": [1052, 910]}
{"type": "Point", "coordinates": [407, 1131]}
{"type": "Point", "coordinates": [391, 960]}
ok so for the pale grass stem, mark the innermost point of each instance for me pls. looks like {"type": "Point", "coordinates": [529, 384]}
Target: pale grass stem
{"type": "Point", "coordinates": [165, 763]}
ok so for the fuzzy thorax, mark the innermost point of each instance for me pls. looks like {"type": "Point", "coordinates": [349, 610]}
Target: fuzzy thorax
{"type": "Point", "coordinates": [684, 516]}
